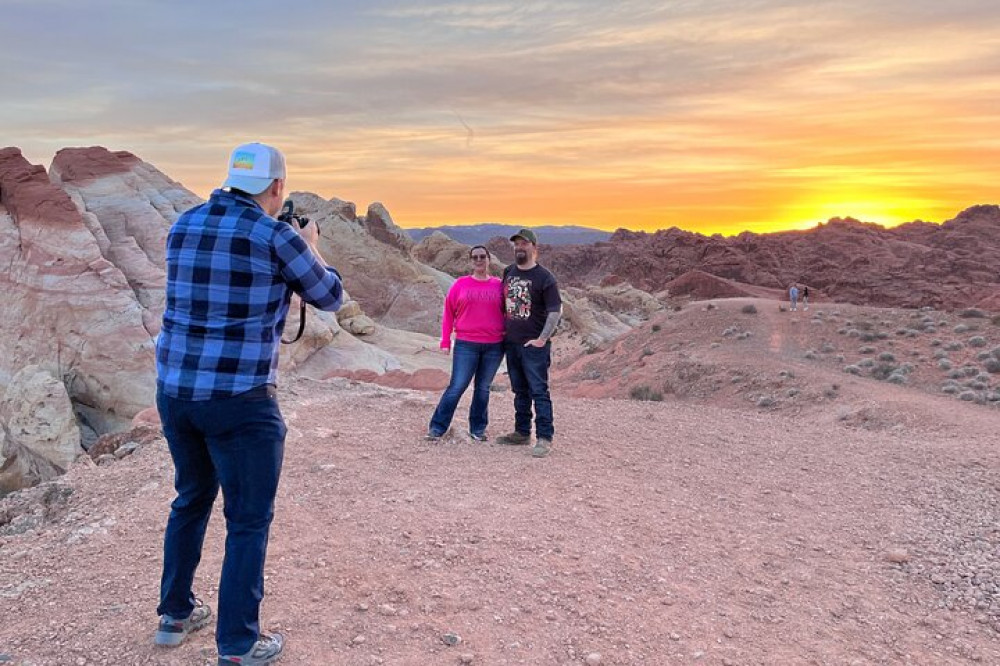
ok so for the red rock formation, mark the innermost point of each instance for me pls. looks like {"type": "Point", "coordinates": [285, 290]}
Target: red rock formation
{"type": "Point", "coordinates": [948, 265]}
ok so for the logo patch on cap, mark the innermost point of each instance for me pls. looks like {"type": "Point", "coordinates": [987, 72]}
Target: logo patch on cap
{"type": "Point", "coordinates": [243, 161]}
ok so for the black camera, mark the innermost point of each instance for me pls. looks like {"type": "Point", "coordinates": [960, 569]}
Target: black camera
{"type": "Point", "coordinates": [288, 215]}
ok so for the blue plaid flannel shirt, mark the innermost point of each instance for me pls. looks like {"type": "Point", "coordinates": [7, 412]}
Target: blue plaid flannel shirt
{"type": "Point", "coordinates": [231, 271]}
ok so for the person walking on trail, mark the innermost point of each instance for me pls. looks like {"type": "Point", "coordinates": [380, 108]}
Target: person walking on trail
{"type": "Point", "coordinates": [793, 296]}
{"type": "Point", "coordinates": [533, 308]}
{"type": "Point", "coordinates": [805, 297]}
{"type": "Point", "coordinates": [231, 271]}
{"type": "Point", "coordinates": [473, 310]}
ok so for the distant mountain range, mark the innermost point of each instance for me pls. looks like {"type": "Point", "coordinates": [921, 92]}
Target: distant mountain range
{"type": "Point", "coordinates": [480, 233]}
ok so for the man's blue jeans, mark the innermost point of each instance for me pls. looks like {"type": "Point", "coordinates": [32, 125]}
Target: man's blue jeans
{"type": "Point", "coordinates": [528, 368]}
{"type": "Point", "coordinates": [238, 443]}
{"type": "Point", "coordinates": [469, 359]}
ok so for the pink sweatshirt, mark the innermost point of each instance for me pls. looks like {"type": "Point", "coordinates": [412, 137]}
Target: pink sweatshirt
{"type": "Point", "coordinates": [474, 309]}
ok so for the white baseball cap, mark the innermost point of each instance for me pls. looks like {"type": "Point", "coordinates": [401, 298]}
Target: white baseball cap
{"type": "Point", "coordinates": [253, 166]}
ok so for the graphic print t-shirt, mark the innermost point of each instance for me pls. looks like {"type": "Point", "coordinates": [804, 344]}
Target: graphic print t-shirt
{"type": "Point", "coordinates": [529, 297]}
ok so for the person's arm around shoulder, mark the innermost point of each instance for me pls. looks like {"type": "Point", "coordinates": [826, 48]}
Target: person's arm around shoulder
{"type": "Point", "coordinates": [303, 268]}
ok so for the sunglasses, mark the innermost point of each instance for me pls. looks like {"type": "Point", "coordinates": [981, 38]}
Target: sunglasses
{"type": "Point", "coordinates": [480, 256]}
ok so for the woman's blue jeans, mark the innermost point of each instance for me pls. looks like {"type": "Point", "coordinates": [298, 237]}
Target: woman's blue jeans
{"type": "Point", "coordinates": [469, 360]}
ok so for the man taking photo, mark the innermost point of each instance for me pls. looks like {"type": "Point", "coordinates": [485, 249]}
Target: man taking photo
{"type": "Point", "coordinates": [231, 271]}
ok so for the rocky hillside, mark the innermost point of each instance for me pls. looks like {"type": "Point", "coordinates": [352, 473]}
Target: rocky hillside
{"type": "Point", "coordinates": [950, 265]}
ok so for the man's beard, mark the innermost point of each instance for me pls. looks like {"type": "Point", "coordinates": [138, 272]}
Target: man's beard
{"type": "Point", "coordinates": [521, 257]}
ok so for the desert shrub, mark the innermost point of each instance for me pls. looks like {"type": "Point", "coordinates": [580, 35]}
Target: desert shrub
{"type": "Point", "coordinates": [995, 352]}
{"type": "Point", "coordinates": [950, 389]}
{"type": "Point", "coordinates": [732, 330]}
{"type": "Point", "coordinates": [749, 308]}
{"type": "Point", "coordinates": [970, 370]}
{"type": "Point", "coordinates": [992, 365]}
{"type": "Point", "coordinates": [841, 331]}
{"type": "Point", "coordinates": [839, 358]}
{"type": "Point", "coordinates": [961, 328]}
{"type": "Point", "coordinates": [868, 336]}
{"type": "Point", "coordinates": [645, 393]}
{"type": "Point", "coordinates": [936, 342]}
{"type": "Point", "coordinates": [744, 335]}
{"type": "Point", "coordinates": [954, 345]}
{"type": "Point", "coordinates": [765, 401]}
{"type": "Point", "coordinates": [983, 355]}
{"type": "Point", "coordinates": [978, 386]}
{"type": "Point", "coordinates": [972, 313]}
{"type": "Point", "coordinates": [956, 374]}
{"type": "Point", "coordinates": [786, 374]}
{"type": "Point", "coordinates": [993, 396]}
{"type": "Point", "coordinates": [896, 378]}
{"type": "Point", "coordinates": [853, 333]}
{"type": "Point", "coordinates": [656, 328]}
{"type": "Point", "coordinates": [866, 350]}
{"type": "Point", "coordinates": [977, 341]}
{"type": "Point", "coordinates": [865, 325]}
{"type": "Point", "coordinates": [886, 357]}
{"type": "Point", "coordinates": [678, 308]}
{"type": "Point", "coordinates": [826, 348]}
{"type": "Point", "coordinates": [866, 362]}
{"type": "Point", "coordinates": [852, 369]}
{"type": "Point", "coordinates": [995, 320]}
{"type": "Point", "coordinates": [883, 370]}
{"type": "Point", "coordinates": [944, 364]}
{"type": "Point", "coordinates": [881, 335]}
{"type": "Point", "coordinates": [810, 355]}
{"type": "Point", "coordinates": [792, 392]}
{"type": "Point", "coordinates": [715, 345]}
{"type": "Point", "coordinates": [968, 396]}
{"type": "Point", "coordinates": [646, 351]}
{"type": "Point", "coordinates": [900, 332]}
{"type": "Point", "coordinates": [906, 368]}
{"type": "Point", "coordinates": [710, 306]}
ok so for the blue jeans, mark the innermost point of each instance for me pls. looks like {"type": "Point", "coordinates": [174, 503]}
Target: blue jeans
{"type": "Point", "coordinates": [528, 368]}
{"type": "Point", "coordinates": [237, 443]}
{"type": "Point", "coordinates": [468, 360]}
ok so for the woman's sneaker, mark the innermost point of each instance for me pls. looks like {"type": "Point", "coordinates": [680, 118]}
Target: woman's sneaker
{"type": "Point", "coordinates": [481, 437]}
{"type": "Point", "coordinates": [172, 631]}
{"type": "Point", "coordinates": [266, 650]}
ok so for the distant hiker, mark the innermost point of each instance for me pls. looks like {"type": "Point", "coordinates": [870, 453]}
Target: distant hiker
{"type": "Point", "coordinates": [533, 309]}
{"type": "Point", "coordinates": [793, 296]}
{"type": "Point", "coordinates": [231, 271]}
{"type": "Point", "coordinates": [805, 298]}
{"type": "Point", "coordinates": [473, 309]}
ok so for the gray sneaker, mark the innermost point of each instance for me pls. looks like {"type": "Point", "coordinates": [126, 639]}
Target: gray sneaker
{"type": "Point", "coordinates": [514, 439]}
{"type": "Point", "coordinates": [266, 650]}
{"type": "Point", "coordinates": [172, 631]}
{"type": "Point", "coordinates": [541, 448]}
{"type": "Point", "coordinates": [481, 437]}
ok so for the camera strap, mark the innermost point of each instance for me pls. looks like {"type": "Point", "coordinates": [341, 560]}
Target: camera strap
{"type": "Point", "coordinates": [302, 324]}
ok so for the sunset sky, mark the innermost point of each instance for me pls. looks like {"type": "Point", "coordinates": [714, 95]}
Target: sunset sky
{"type": "Point", "coordinates": [714, 116]}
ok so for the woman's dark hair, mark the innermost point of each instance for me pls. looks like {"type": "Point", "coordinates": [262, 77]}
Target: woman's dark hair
{"type": "Point", "coordinates": [480, 247]}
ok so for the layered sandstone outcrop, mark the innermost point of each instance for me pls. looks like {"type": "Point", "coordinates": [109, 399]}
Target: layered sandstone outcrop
{"type": "Point", "coordinates": [39, 436]}
{"type": "Point", "coordinates": [67, 304]}
{"type": "Point", "coordinates": [949, 265]}
{"type": "Point", "coordinates": [393, 288]}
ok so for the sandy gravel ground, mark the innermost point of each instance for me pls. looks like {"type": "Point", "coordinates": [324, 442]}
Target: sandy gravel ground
{"type": "Point", "coordinates": [673, 532]}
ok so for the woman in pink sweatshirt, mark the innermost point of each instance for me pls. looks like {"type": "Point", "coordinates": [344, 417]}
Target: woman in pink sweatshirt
{"type": "Point", "coordinates": [473, 309]}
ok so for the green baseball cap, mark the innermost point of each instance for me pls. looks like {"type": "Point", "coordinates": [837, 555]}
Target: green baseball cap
{"type": "Point", "coordinates": [526, 234]}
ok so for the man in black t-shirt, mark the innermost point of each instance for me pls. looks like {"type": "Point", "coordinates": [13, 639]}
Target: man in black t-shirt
{"type": "Point", "coordinates": [533, 308]}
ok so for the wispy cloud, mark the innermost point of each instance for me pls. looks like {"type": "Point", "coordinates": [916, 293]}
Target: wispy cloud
{"type": "Point", "coordinates": [715, 114]}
